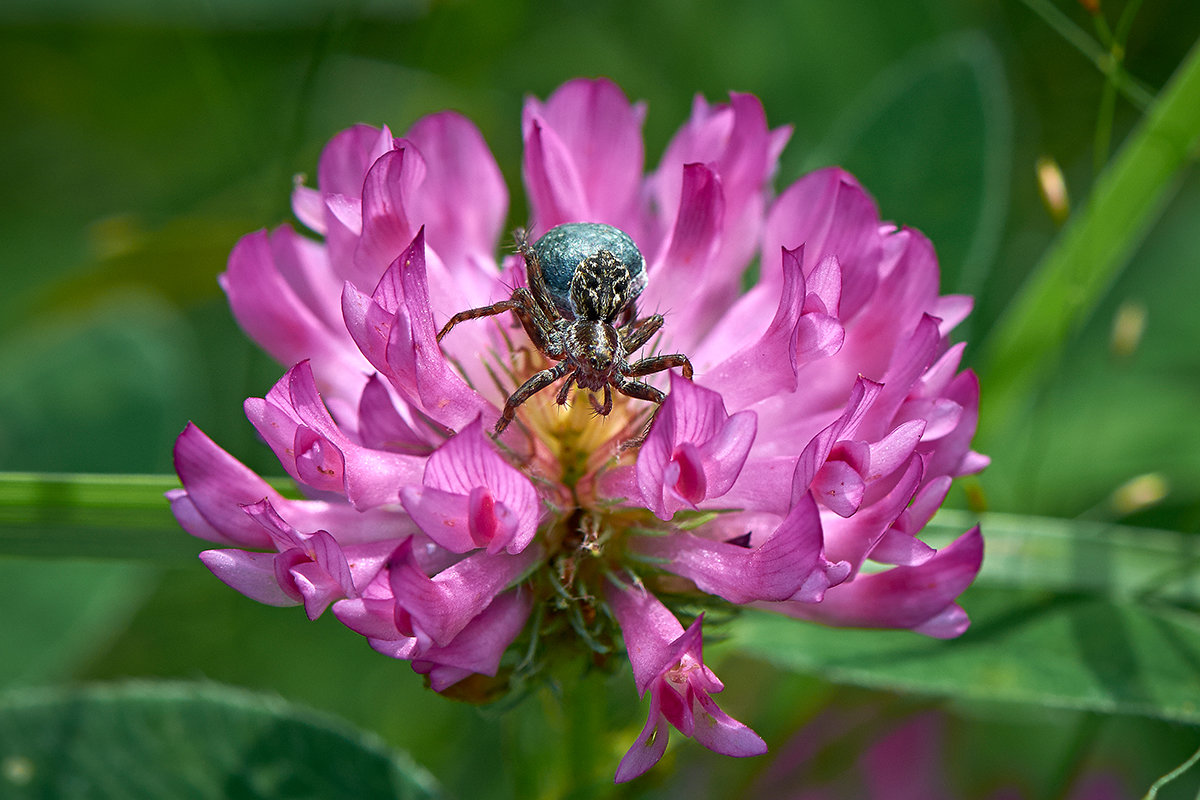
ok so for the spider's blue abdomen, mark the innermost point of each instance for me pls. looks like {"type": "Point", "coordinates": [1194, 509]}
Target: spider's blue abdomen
{"type": "Point", "coordinates": [564, 247]}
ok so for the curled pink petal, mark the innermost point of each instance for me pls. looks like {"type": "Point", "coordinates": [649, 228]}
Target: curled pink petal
{"type": "Point", "coordinates": [695, 450]}
{"type": "Point", "coordinates": [291, 319]}
{"type": "Point", "coordinates": [478, 647]}
{"type": "Point", "coordinates": [443, 605]}
{"type": "Point", "coordinates": [918, 597]}
{"type": "Point", "coordinates": [668, 663]}
{"type": "Point", "coordinates": [310, 445]}
{"type": "Point", "coordinates": [463, 200]}
{"type": "Point", "coordinates": [472, 498]}
{"type": "Point", "coordinates": [394, 328]}
{"type": "Point", "coordinates": [583, 154]}
{"type": "Point", "coordinates": [768, 366]}
{"type": "Point", "coordinates": [252, 574]}
{"type": "Point", "coordinates": [775, 570]}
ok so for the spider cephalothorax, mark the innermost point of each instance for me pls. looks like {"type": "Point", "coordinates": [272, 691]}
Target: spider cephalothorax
{"type": "Point", "coordinates": [580, 310]}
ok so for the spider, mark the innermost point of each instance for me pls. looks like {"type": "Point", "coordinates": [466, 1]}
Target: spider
{"type": "Point", "coordinates": [579, 310]}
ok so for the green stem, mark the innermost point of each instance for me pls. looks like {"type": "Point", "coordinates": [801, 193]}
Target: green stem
{"type": "Point", "coordinates": [91, 516]}
{"type": "Point", "coordinates": [1131, 88]}
{"type": "Point", "coordinates": [1172, 775]}
{"type": "Point", "coordinates": [1093, 247]}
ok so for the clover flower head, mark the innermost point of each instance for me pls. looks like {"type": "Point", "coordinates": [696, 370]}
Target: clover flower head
{"type": "Point", "coordinates": [793, 471]}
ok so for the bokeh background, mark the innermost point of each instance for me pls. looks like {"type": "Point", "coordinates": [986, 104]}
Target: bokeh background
{"type": "Point", "coordinates": [140, 139]}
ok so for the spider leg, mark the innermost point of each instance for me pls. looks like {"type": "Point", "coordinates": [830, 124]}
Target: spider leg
{"type": "Point", "coordinates": [565, 390]}
{"type": "Point", "coordinates": [640, 331]}
{"type": "Point", "coordinates": [533, 274]}
{"type": "Point", "coordinates": [606, 409]}
{"type": "Point", "coordinates": [475, 313]}
{"type": "Point", "coordinates": [654, 364]}
{"type": "Point", "coordinates": [639, 391]}
{"type": "Point", "coordinates": [522, 303]}
{"type": "Point", "coordinates": [529, 388]}
{"type": "Point", "coordinates": [636, 389]}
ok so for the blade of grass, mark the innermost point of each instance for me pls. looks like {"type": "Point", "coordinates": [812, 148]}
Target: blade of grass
{"type": "Point", "coordinates": [1094, 246]}
{"type": "Point", "coordinates": [1130, 87]}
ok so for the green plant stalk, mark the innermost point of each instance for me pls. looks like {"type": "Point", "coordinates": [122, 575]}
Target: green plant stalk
{"type": "Point", "coordinates": [1090, 252]}
{"type": "Point", "coordinates": [93, 516]}
{"type": "Point", "coordinates": [1099, 55]}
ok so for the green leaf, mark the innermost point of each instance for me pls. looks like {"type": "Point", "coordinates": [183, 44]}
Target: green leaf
{"type": "Point", "coordinates": [931, 139]}
{"type": "Point", "coordinates": [1076, 557]}
{"type": "Point", "coordinates": [182, 740]}
{"type": "Point", "coordinates": [1060, 652]}
{"type": "Point", "coordinates": [1064, 614]}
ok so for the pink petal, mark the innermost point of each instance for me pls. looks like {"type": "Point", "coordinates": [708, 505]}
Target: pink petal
{"type": "Point", "coordinates": [824, 287]}
{"type": "Point", "coordinates": [695, 450]}
{"type": "Point", "coordinates": [309, 206]}
{"type": "Point", "coordinates": [765, 484]}
{"type": "Point", "coordinates": [649, 747]}
{"type": "Point", "coordinates": [898, 547]}
{"type": "Point", "coordinates": [252, 574]}
{"type": "Point", "coordinates": [387, 226]}
{"type": "Point", "coordinates": [274, 315]}
{"type": "Point", "coordinates": [373, 617]}
{"type": "Point", "coordinates": [892, 451]}
{"type": "Point", "coordinates": [721, 733]}
{"type": "Point", "coordinates": [862, 397]}
{"type": "Point", "coordinates": [218, 485]}
{"type": "Point", "coordinates": [951, 454]}
{"type": "Point", "coordinates": [829, 213]}
{"type": "Point", "coordinates": [919, 597]}
{"type": "Point", "coordinates": [697, 229]}
{"type": "Point", "coordinates": [348, 156]}
{"type": "Point", "coordinates": [394, 329]}
{"type": "Point", "coordinates": [839, 487]}
{"type": "Point", "coordinates": [478, 648]}
{"type": "Point", "coordinates": [380, 425]}
{"type": "Point", "coordinates": [445, 604]}
{"type": "Point", "coordinates": [734, 140]}
{"type": "Point", "coordinates": [506, 518]}
{"type": "Point", "coordinates": [442, 516]}
{"type": "Point", "coordinates": [318, 452]}
{"type": "Point", "coordinates": [683, 283]}
{"type": "Point", "coordinates": [767, 367]}
{"type": "Point", "coordinates": [649, 628]}
{"type": "Point", "coordinates": [952, 309]}
{"type": "Point", "coordinates": [818, 336]}
{"type": "Point", "coordinates": [600, 133]}
{"type": "Point", "coordinates": [463, 200]}
{"type": "Point", "coordinates": [190, 518]}
{"type": "Point", "coordinates": [852, 539]}
{"type": "Point", "coordinates": [316, 586]}
{"type": "Point", "coordinates": [555, 188]}
{"type": "Point", "coordinates": [775, 570]}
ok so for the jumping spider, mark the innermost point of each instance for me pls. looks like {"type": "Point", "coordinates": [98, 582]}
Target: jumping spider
{"type": "Point", "coordinates": [579, 310]}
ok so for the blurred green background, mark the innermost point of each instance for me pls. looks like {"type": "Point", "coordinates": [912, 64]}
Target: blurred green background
{"type": "Point", "coordinates": [140, 139]}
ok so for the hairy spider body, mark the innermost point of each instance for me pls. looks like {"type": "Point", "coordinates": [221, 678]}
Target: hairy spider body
{"type": "Point", "coordinates": [580, 310]}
